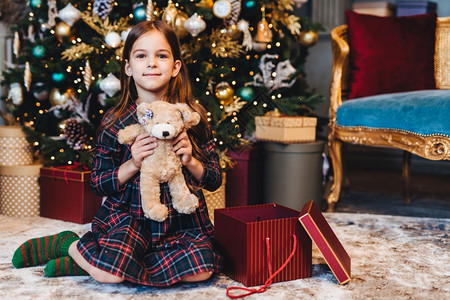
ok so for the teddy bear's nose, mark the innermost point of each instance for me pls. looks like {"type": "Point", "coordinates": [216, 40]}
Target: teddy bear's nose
{"type": "Point", "coordinates": [165, 133]}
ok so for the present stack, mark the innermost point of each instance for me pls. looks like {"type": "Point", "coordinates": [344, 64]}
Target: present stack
{"type": "Point", "coordinates": [19, 187]}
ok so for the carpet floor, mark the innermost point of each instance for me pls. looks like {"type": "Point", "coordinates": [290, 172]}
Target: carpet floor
{"type": "Point", "coordinates": [393, 257]}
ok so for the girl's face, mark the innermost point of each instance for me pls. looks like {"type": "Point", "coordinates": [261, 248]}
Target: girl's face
{"type": "Point", "coordinates": [152, 66]}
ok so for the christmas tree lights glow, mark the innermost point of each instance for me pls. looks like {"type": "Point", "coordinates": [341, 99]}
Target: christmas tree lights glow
{"type": "Point", "coordinates": [245, 57]}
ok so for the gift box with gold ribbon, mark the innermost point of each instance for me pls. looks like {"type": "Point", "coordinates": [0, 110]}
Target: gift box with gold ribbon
{"type": "Point", "coordinates": [285, 130]}
{"type": "Point", "coordinates": [66, 194]}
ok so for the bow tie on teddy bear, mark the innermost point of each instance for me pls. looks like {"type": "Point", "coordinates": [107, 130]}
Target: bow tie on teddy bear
{"type": "Point", "coordinates": [164, 121]}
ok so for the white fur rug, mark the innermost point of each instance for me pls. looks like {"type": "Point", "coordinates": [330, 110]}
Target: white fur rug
{"type": "Point", "coordinates": [392, 258]}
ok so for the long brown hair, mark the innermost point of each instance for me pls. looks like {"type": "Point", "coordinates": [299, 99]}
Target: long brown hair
{"type": "Point", "coordinates": [179, 86]}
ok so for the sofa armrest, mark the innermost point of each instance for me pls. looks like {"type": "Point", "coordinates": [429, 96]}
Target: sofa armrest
{"type": "Point", "coordinates": [340, 51]}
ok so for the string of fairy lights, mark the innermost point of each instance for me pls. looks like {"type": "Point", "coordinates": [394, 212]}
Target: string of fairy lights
{"type": "Point", "coordinates": [78, 67]}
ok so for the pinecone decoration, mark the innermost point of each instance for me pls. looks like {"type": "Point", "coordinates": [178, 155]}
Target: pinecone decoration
{"type": "Point", "coordinates": [103, 8]}
{"type": "Point", "coordinates": [75, 134]}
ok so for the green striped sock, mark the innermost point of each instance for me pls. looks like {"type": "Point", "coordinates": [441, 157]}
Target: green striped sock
{"type": "Point", "coordinates": [40, 250]}
{"type": "Point", "coordinates": [63, 266]}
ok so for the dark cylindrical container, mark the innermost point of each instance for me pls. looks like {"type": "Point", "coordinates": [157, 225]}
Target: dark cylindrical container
{"type": "Point", "coordinates": [293, 174]}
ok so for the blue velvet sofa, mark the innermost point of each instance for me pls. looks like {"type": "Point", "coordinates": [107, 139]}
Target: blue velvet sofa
{"type": "Point", "coordinates": [417, 122]}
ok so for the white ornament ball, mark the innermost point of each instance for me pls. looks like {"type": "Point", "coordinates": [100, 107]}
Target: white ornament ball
{"type": "Point", "coordinates": [113, 39]}
{"type": "Point", "coordinates": [16, 93]}
{"type": "Point", "coordinates": [194, 25]}
{"type": "Point", "coordinates": [110, 85]}
{"type": "Point", "coordinates": [124, 34]}
{"type": "Point", "coordinates": [222, 9]}
{"type": "Point", "coordinates": [69, 14]}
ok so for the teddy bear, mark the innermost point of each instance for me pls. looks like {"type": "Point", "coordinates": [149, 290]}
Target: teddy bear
{"type": "Point", "coordinates": [164, 121]}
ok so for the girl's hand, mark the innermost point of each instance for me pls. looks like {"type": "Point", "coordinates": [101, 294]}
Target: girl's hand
{"type": "Point", "coordinates": [182, 147]}
{"type": "Point", "coordinates": [142, 147]}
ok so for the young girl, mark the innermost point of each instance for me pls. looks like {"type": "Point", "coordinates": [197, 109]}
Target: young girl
{"type": "Point", "coordinates": [123, 244]}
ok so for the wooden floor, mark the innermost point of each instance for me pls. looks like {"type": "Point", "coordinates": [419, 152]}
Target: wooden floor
{"type": "Point", "coordinates": [376, 186]}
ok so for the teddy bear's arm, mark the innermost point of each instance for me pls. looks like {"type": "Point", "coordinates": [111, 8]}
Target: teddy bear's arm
{"type": "Point", "coordinates": [129, 133]}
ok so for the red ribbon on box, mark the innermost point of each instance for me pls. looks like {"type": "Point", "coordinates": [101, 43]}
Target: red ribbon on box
{"type": "Point", "coordinates": [65, 168]}
{"type": "Point", "coordinates": [271, 276]}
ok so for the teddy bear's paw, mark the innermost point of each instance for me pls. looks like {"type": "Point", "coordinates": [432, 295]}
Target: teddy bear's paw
{"type": "Point", "coordinates": [187, 205]}
{"type": "Point", "coordinates": [158, 213]}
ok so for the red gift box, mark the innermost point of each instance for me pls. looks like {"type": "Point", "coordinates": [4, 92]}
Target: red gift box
{"type": "Point", "coordinates": [66, 195]}
{"type": "Point", "coordinates": [329, 246]}
{"type": "Point", "coordinates": [241, 232]}
{"type": "Point", "coordinates": [244, 179]}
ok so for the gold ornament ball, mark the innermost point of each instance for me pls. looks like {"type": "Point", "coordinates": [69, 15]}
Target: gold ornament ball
{"type": "Point", "coordinates": [309, 38]}
{"type": "Point", "coordinates": [179, 24]}
{"type": "Point", "coordinates": [224, 92]}
{"type": "Point", "coordinates": [62, 30]}
{"type": "Point", "coordinates": [205, 3]}
{"type": "Point", "coordinates": [170, 13]}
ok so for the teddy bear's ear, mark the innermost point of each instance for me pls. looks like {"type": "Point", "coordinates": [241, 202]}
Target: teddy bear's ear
{"type": "Point", "coordinates": [190, 117]}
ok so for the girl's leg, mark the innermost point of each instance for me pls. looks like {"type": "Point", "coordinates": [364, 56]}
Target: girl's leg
{"type": "Point", "coordinates": [96, 273]}
{"type": "Point", "coordinates": [40, 250]}
{"type": "Point", "coordinates": [197, 277]}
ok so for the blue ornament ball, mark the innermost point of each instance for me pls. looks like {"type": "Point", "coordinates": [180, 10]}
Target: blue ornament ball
{"type": "Point", "coordinates": [39, 51]}
{"type": "Point", "coordinates": [246, 93]}
{"type": "Point", "coordinates": [58, 77]}
{"type": "Point", "coordinates": [35, 3]}
{"type": "Point", "coordinates": [139, 13]}
{"type": "Point", "coordinates": [250, 4]}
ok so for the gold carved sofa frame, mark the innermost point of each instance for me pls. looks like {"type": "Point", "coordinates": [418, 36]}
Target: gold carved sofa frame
{"type": "Point", "coordinates": [435, 147]}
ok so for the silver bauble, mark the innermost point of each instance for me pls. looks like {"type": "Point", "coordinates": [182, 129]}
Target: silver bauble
{"type": "Point", "coordinates": [194, 25]}
{"type": "Point", "coordinates": [69, 14]}
{"type": "Point", "coordinates": [110, 85]}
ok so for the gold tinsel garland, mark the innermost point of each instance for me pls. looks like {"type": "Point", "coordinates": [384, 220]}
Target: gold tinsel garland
{"type": "Point", "coordinates": [222, 45]}
{"type": "Point", "coordinates": [281, 11]}
{"type": "Point", "coordinates": [187, 49]}
{"type": "Point", "coordinates": [292, 23]}
{"type": "Point", "coordinates": [77, 51]}
{"type": "Point", "coordinates": [103, 27]}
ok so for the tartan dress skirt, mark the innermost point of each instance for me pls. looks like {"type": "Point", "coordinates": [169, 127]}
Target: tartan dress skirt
{"type": "Point", "coordinates": [133, 249]}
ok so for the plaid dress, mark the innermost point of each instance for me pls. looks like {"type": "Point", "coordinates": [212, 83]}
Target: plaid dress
{"type": "Point", "coordinates": [125, 243]}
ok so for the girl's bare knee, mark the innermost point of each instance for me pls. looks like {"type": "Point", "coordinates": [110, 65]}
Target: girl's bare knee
{"type": "Point", "coordinates": [198, 277]}
{"type": "Point", "coordinates": [105, 277]}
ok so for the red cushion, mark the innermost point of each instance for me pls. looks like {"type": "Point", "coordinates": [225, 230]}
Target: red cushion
{"type": "Point", "coordinates": [390, 54]}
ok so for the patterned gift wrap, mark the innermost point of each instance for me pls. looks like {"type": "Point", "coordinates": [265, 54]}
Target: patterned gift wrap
{"type": "Point", "coordinates": [285, 130]}
{"type": "Point", "coordinates": [14, 148]}
{"type": "Point", "coordinates": [19, 190]}
{"type": "Point", "coordinates": [216, 199]}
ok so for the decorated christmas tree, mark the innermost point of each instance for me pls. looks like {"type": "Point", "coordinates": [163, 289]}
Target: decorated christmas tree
{"type": "Point", "coordinates": [245, 57]}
